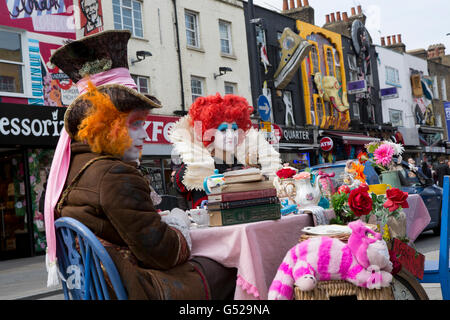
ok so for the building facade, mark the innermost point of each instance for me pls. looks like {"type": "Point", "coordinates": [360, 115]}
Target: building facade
{"type": "Point", "coordinates": [33, 96]}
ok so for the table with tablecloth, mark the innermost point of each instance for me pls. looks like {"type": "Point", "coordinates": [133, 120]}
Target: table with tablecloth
{"type": "Point", "coordinates": [255, 249]}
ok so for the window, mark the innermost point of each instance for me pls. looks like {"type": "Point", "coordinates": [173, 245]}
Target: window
{"type": "Point", "coordinates": [279, 34]}
{"type": "Point", "coordinates": [196, 87]}
{"type": "Point", "coordinates": [355, 107]}
{"type": "Point", "coordinates": [396, 117]}
{"type": "Point", "coordinates": [330, 62]}
{"type": "Point", "coordinates": [443, 90]}
{"type": "Point", "coordinates": [392, 77]}
{"type": "Point", "coordinates": [225, 37]}
{"type": "Point", "coordinates": [142, 83]}
{"type": "Point", "coordinates": [314, 60]}
{"type": "Point", "coordinates": [353, 67]}
{"type": "Point", "coordinates": [11, 62]}
{"type": "Point", "coordinates": [435, 88]}
{"type": "Point", "coordinates": [191, 21]}
{"type": "Point", "coordinates": [128, 15]}
{"type": "Point", "coordinates": [230, 88]}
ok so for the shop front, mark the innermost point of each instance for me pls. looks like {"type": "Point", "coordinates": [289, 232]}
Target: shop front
{"type": "Point", "coordinates": [336, 146]}
{"type": "Point", "coordinates": [432, 143]}
{"type": "Point", "coordinates": [297, 146]}
{"type": "Point", "coordinates": [28, 137]}
{"type": "Point", "coordinates": [157, 155]}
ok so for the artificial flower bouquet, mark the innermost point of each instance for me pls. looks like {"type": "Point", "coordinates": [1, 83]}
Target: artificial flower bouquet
{"type": "Point", "coordinates": [381, 155]}
{"type": "Point", "coordinates": [284, 183]}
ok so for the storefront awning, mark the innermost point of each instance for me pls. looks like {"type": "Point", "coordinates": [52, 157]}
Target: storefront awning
{"type": "Point", "coordinates": [350, 138]}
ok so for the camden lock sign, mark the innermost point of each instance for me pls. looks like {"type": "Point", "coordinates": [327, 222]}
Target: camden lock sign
{"type": "Point", "coordinates": [28, 125]}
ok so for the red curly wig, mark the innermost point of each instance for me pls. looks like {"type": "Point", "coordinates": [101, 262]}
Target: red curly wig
{"type": "Point", "coordinates": [104, 128]}
{"type": "Point", "coordinates": [212, 110]}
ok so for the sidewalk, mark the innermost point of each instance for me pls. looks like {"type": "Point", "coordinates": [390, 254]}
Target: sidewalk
{"type": "Point", "coordinates": [26, 279]}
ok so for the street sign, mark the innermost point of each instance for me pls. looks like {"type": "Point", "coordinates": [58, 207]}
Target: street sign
{"type": "Point", "coordinates": [326, 144]}
{"type": "Point", "coordinates": [264, 108]}
{"type": "Point", "coordinates": [447, 116]}
{"type": "Point", "coordinates": [389, 93]}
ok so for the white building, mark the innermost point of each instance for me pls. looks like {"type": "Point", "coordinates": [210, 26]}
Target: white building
{"type": "Point", "coordinates": [394, 70]}
{"type": "Point", "coordinates": [211, 34]}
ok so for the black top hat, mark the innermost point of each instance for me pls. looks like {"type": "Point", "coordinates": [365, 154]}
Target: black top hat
{"type": "Point", "coordinates": [93, 55]}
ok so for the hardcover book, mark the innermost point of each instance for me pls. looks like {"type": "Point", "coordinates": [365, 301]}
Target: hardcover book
{"type": "Point", "coordinates": [242, 203]}
{"type": "Point", "coordinates": [246, 186]}
{"type": "Point", "coordinates": [235, 196]}
{"type": "Point", "coordinates": [226, 217]}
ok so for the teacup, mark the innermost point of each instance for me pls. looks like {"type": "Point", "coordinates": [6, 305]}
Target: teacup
{"type": "Point", "coordinates": [200, 216]}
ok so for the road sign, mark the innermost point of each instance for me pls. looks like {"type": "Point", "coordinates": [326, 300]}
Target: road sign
{"type": "Point", "coordinates": [326, 144]}
{"type": "Point", "coordinates": [264, 108]}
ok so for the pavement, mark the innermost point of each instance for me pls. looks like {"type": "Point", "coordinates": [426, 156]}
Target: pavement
{"type": "Point", "coordinates": [26, 279]}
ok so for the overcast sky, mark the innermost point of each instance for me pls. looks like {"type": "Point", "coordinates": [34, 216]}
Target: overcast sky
{"type": "Point", "coordinates": [420, 22]}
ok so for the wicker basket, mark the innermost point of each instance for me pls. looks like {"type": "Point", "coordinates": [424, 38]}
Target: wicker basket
{"type": "Point", "coordinates": [343, 236]}
{"type": "Point", "coordinates": [339, 288]}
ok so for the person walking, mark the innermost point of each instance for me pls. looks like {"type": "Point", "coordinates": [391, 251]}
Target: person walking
{"type": "Point", "coordinates": [426, 169]}
{"type": "Point", "coordinates": [442, 169]}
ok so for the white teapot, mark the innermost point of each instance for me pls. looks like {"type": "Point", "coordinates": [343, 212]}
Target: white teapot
{"type": "Point", "coordinates": [306, 194]}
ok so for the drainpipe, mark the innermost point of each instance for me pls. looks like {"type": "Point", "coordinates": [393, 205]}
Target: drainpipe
{"type": "Point", "coordinates": [181, 112]}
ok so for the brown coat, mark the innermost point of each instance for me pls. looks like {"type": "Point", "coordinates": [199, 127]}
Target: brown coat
{"type": "Point", "coordinates": [112, 199]}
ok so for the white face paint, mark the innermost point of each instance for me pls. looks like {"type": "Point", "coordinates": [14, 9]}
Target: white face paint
{"type": "Point", "coordinates": [137, 133]}
{"type": "Point", "coordinates": [226, 137]}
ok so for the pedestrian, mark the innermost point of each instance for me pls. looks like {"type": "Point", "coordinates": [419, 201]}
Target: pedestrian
{"type": "Point", "coordinates": [426, 169]}
{"type": "Point", "coordinates": [442, 169]}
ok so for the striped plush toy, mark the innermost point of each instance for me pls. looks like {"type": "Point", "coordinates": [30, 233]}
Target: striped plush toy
{"type": "Point", "coordinates": [363, 261]}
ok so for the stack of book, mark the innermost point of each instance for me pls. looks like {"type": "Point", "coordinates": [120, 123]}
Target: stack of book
{"type": "Point", "coordinates": [247, 196]}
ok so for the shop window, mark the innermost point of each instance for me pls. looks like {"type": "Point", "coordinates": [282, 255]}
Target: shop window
{"type": "Point", "coordinates": [225, 37]}
{"type": "Point", "coordinates": [192, 29]}
{"type": "Point", "coordinates": [197, 87]}
{"type": "Point", "coordinates": [128, 15]}
{"type": "Point", "coordinates": [396, 117]}
{"type": "Point", "coordinates": [12, 62]}
{"type": "Point", "coordinates": [142, 83]}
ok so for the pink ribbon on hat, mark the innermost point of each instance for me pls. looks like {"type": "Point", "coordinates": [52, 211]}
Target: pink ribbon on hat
{"type": "Point", "coordinates": [60, 167]}
{"type": "Point", "coordinates": [116, 75]}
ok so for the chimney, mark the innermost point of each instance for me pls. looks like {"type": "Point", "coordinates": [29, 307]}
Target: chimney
{"type": "Point", "coordinates": [353, 12]}
{"type": "Point", "coordinates": [394, 40]}
{"type": "Point", "coordinates": [345, 16]}
{"type": "Point", "coordinates": [338, 16]}
{"type": "Point", "coordinates": [333, 19]}
{"type": "Point", "coordinates": [327, 19]}
{"type": "Point", "coordinates": [399, 38]}
{"type": "Point", "coordinates": [303, 13]}
{"type": "Point", "coordinates": [383, 42]}
{"type": "Point", "coordinates": [396, 44]}
{"type": "Point", "coordinates": [389, 40]}
{"type": "Point", "coordinates": [359, 10]}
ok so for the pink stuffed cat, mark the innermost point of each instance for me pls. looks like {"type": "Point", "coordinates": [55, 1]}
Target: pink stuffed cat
{"type": "Point", "coordinates": [363, 261]}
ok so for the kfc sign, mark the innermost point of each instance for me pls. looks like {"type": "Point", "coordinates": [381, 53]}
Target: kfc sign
{"type": "Point", "coordinates": [326, 144]}
{"type": "Point", "coordinates": [158, 127]}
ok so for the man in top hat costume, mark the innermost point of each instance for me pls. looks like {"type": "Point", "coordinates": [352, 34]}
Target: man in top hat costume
{"type": "Point", "coordinates": [217, 134]}
{"type": "Point", "coordinates": [95, 164]}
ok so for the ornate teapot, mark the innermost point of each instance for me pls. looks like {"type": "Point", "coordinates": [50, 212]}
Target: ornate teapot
{"type": "Point", "coordinates": [306, 194]}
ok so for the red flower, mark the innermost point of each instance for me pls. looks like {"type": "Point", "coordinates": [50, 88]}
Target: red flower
{"type": "Point", "coordinates": [362, 157]}
{"type": "Point", "coordinates": [286, 173]}
{"type": "Point", "coordinates": [360, 201]}
{"type": "Point", "coordinates": [396, 265]}
{"type": "Point", "coordinates": [396, 198]}
{"type": "Point", "coordinates": [344, 189]}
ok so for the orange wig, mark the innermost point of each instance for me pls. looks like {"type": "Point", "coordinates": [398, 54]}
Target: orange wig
{"type": "Point", "coordinates": [104, 128]}
{"type": "Point", "coordinates": [211, 111]}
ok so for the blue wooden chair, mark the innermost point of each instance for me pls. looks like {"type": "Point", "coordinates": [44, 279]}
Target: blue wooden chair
{"type": "Point", "coordinates": [439, 271]}
{"type": "Point", "coordinates": [81, 269]}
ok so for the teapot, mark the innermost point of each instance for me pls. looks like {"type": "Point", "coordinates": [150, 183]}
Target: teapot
{"type": "Point", "coordinates": [306, 194]}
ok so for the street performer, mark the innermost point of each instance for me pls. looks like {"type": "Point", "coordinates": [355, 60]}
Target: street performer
{"type": "Point", "coordinates": [94, 179]}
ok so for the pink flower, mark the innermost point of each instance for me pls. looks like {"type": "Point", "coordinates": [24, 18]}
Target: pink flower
{"type": "Point", "coordinates": [383, 154]}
